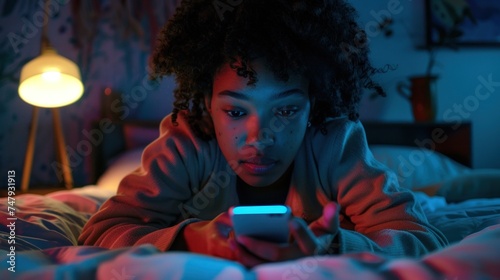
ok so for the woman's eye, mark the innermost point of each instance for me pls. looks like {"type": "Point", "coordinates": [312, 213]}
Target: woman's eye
{"type": "Point", "coordinates": [286, 112]}
{"type": "Point", "coordinates": [235, 113]}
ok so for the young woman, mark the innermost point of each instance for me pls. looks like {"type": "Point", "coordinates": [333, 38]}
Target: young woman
{"type": "Point", "coordinates": [265, 112]}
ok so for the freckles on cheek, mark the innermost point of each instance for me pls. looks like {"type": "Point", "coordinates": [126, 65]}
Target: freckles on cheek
{"type": "Point", "coordinates": [292, 139]}
{"type": "Point", "coordinates": [234, 132]}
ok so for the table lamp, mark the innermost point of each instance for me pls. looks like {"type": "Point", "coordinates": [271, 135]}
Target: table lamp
{"type": "Point", "coordinates": [49, 81]}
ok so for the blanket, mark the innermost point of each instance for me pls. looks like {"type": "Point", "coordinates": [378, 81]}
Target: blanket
{"type": "Point", "coordinates": [475, 257]}
{"type": "Point", "coordinates": [41, 243]}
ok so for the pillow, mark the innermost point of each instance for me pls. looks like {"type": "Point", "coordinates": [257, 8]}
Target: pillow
{"type": "Point", "coordinates": [479, 183]}
{"type": "Point", "coordinates": [417, 167]}
{"type": "Point", "coordinates": [121, 166]}
{"type": "Point", "coordinates": [87, 199]}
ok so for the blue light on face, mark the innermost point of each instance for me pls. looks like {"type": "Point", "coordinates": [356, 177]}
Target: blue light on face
{"type": "Point", "coordinates": [265, 209]}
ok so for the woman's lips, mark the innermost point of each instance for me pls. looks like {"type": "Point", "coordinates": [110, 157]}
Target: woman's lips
{"type": "Point", "coordinates": [258, 165]}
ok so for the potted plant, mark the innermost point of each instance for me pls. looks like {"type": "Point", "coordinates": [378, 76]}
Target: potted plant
{"type": "Point", "coordinates": [443, 29]}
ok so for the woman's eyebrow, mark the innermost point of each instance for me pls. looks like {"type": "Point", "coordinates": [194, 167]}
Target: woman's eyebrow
{"type": "Point", "coordinates": [283, 94]}
{"type": "Point", "coordinates": [233, 94]}
{"type": "Point", "coordinates": [288, 93]}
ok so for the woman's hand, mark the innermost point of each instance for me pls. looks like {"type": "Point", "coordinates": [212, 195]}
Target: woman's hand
{"type": "Point", "coordinates": [209, 237]}
{"type": "Point", "coordinates": [314, 239]}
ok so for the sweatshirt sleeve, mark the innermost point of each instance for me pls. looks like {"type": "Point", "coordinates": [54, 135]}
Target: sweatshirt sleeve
{"type": "Point", "coordinates": [377, 215]}
{"type": "Point", "coordinates": [148, 205]}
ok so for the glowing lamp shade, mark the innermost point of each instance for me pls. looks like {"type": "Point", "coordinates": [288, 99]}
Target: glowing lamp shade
{"type": "Point", "coordinates": [50, 81]}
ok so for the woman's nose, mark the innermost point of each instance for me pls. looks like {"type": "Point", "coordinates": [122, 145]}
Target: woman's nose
{"type": "Point", "coordinates": [259, 134]}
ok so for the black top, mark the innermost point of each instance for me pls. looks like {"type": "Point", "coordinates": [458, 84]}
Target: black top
{"type": "Point", "coordinates": [270, 195]}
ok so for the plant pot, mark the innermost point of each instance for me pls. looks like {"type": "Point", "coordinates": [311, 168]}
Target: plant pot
{"type": "Point", "coordinates": [420, 91]}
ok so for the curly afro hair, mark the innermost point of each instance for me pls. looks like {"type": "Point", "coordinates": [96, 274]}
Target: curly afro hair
{"type": "Point", "coordinates": [316, 38]}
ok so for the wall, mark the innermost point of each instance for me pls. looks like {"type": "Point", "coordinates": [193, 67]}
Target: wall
{"type": "Point", "coordinates": [112, 54]}
{"type": "Point", "coordinates": [460, 73]}
{"type": "Point", "coordinates": [111, 42]}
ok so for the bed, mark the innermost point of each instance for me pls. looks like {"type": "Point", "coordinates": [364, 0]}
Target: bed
{"type": "Point", "coordinates": [38, 235]}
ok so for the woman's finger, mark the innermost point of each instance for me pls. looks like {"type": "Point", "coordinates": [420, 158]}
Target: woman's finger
{"type": "Point", "coordinates": [243, 256]}
{"type": "Point", "coordinates": [304, 237]}
{"type": "Point", "coordinates": [263, 249]}
{"type": "Point", "coordinates": [328, 223]}
{"type": "Point", "coordinates": [270, 251]}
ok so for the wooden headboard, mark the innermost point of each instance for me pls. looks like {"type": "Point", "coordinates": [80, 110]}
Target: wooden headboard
{"type": "Point", "coordinates": [115, 141]}
{"type": "Point", "coordinates": [113, 124]}
{"type": "Point", "coordinates": [451, 140]}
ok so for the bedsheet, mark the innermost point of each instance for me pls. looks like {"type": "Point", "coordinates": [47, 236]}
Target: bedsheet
{"type": "Point", "coordinates": [35, 222]}
{"type": "Point", "coordinates": [475, 257]}
{"type": "Point", "coordinates": [47, 228]}
{"type": "Point", "coordinates": [460, 219]}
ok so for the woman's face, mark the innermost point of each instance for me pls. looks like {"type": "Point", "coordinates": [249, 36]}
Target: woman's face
{"type": "Point", "coordinates": [260, 127]}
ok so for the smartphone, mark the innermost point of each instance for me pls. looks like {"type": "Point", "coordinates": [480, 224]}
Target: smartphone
{"type": "Point", "coordinates": [266, 222]}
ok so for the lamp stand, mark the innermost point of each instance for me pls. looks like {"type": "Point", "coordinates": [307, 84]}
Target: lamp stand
{"type": "Point", "coordinates": [28, 159]}
{"type": "Point", "coordinates": [61, 154]}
